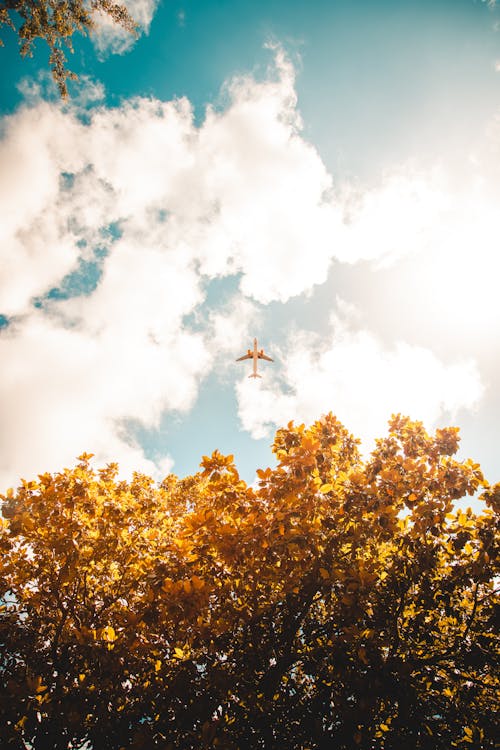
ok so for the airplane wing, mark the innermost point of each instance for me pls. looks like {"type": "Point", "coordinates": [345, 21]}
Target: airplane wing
{"type": "Point", "coordinates": [245, 356]}
{"type": "Point", "coordinates": [264, 356]}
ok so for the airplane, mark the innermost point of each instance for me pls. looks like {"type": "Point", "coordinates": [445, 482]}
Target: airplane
{"type": "Point", "coordinates": [255, 355]}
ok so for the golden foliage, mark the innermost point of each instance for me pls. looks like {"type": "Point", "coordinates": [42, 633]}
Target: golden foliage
{"type": "Point", "coordinates": [339, 601]}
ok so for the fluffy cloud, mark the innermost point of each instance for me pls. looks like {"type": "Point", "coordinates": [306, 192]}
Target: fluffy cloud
{"type": "Point", "coordinates": [431, 243]}
{"type": "Point", "coordinates": [242, 194]}
{"type": "Point", "coordinates": [76, 375]}
{"type": "Point", "coordinates": [111, 39]}
{"type": "Point", "coordinates": [361, 381]}
{"type": "Point", "coordinates": [232, 324]}
{"type": "Point", "coordinates": [160, 207]}
{"type": "Point", "coordinates": [37, 249]}
{"type": "Point", "coordinates": [397, 218]}
{"type": "Point", "coordinates": [278, 224]}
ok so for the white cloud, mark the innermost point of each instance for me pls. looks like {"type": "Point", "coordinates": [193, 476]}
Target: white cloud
{"type": "Point", "coordinates": [174, 205]}
{"type": "Point", "coordinates": [233, 325]}
{"type": "Point", "coordinates": [35, 88]}
{"type": "Point", "coordinates": [245, 192]}
{"type": "Point", "coordinates": [438, 256]}
{"type": "Point", "coordinates": [86, 90]}
{"type": "Point", "coordinates": [363, 383]}
{"type": "Point", "coordinates": [42, 87]}
{"type": "Point", "coordinates": [109, 38]}
{"type": "Point", "coordinates": [277, 224]}
{"type": "Point", "coordinates": [69, 389]}
{"type": "Point", "coordinates": [239, 194]}
{"type": "Point", "coordinates": [75, 374]}
{"type": "Point", "coordinates": [37, 250]}
{"type": "Point", "coordinates": [458, 277]}
{"type": "Point", "coordinates": [392, 220]}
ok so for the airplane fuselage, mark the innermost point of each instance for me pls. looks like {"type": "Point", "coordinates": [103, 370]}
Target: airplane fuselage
{"type": "Point", "coordinates": [254, 355]}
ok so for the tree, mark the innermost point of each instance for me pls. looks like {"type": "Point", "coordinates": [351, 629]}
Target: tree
{"type": "Point", "coordinates": [342, 603]}
{"type": "Point", "coordinates": [56, 21]}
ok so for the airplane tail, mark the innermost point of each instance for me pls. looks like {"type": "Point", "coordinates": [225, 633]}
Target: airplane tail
{"type": "Point", "coordinates": [255, 375]}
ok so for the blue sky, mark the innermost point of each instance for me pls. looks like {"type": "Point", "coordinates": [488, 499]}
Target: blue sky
{"type": "Point", "coordinates": [322, 175]}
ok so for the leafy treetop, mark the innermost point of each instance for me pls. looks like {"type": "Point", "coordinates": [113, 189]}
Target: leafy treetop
{"type": "Point", "coordinates": [56, 21]}
{"type": "Point", "coordinates": [341, 602]}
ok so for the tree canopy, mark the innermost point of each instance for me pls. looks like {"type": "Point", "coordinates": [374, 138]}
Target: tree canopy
{"type": "Point", "coordinates": [55, 21]}
{"type": "Point", "coordinates": [341, 603]}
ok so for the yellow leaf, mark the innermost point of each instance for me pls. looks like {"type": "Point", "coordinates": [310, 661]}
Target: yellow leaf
{"type": "Point", "coordinates": [108, 634]}
{"type": "Point", "coordinates": [178, 653]}
{"type": "Point", "coordinates": [326, 488]}
{"type": "Point", "coordinates": [157, 665]}
{"type": "Point", "coordinates": [384, 727]}
{"type": "Point", "coordinates": [41, 688]}
{"type": "Point", "coordinates": [368, 633]}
